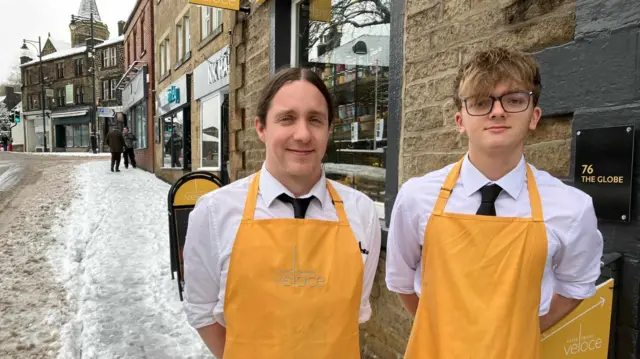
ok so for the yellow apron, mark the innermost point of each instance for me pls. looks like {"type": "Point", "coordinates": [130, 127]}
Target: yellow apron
{"type": "Point", "coordinates": [481, 283]}
{"type": "Point", "coordinates": [294, 287]}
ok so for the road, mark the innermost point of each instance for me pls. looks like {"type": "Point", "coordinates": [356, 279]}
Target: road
{"type": "Point", "coordinates": [33, 190]}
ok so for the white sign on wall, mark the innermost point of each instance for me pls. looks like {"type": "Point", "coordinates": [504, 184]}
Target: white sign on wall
{"type": "Point", "coordinates": [212, 74]}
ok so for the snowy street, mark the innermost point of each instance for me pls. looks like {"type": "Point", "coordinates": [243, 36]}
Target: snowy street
{"type": "Point", "coordinates": [85, 264]}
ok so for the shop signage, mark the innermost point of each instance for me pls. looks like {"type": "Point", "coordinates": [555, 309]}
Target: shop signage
{"type": "Point", "coordinates": [354, 131]}
{"type": "Point", "coordinates": [106, 112]}
{"type": "Point", "coordinates": [69, 96]}
{"type": "Point", "coordinates": [173, 96]}
{"type": "Point", "coordinates": [222, 4]}
{"type": "Point", "coordinates": [135, 90]}
{"type": "Point", "coordinates": [604, 169]}
{"type": "Point", "coordinates": [212, 74]}
{"type": "Point", "coordinates": [183, 196]}
{"type": "Point", "coordinates": [584, 333]}
{"type": "Point", "coordinates": [320, 10]}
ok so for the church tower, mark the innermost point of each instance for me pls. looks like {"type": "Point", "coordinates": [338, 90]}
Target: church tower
{"type": "Point", "coordinates": [81, 29]}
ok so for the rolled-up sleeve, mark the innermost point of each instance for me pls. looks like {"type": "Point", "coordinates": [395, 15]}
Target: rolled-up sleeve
{"type": "Point", "coordinates": [577, 263]}
{"type": "Point", "coordinates": [202, 285]}
{"type": "Point", "coordinates": [403, 245]}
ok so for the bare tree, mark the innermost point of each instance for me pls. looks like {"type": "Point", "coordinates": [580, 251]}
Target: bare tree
{"type": "Point", "coordinates": [15, 77]}
{"type": "Point", "coordinates": [356, 13]}
{"type": "Point", "coordinates": [5, 118]}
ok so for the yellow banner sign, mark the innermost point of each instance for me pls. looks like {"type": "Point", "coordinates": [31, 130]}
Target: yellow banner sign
{"type": "Point", "coordinates": [320, 10]}
{"type": "Point", "coordinates": [222, 4]}
{"type": "Point", "coordinates": [190, 191]}
{"type": "Point", "coordinates": [584, 333]}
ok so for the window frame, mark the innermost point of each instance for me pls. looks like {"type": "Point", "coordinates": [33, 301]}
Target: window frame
{"type": "Point", "coordinates": [220, 94]}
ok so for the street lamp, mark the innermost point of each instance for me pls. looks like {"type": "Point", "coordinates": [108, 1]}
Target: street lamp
{"type": "Point", "coordinates": [42, 94]}
{"type": "Point", "coordinates": [90, 50]}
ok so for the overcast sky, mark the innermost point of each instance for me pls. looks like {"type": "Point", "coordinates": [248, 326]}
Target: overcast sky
{"type": "Point", "coordinates": [28, 19]}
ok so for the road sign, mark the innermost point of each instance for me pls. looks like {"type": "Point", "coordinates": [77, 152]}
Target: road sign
{"type": "Point", "coordinates": [584, 333]}
{"type": "Point", "coordinates": [106, 112]}
{"type": "Point", "coordinates": [183, 196]}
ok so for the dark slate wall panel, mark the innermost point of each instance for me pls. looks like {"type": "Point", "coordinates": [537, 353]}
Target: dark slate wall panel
{"type": "Point", "coordinates": [597, 15]}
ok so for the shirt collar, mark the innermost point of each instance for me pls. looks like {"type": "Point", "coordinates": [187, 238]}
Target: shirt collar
{"type": "Point", "coordinates": [473, 179]}
{"type": "Point", "coordinates": [271, 188]}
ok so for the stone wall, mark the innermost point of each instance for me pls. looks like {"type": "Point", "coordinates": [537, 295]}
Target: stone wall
{"type": "Point", "coordinates": [439, 36]}
{"type": "Point", "coordinates": [249, 74]}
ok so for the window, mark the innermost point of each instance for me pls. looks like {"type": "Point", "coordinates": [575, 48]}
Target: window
{"type": "Point", "coordinates": [77, 135]}
{"type": "Point", "coordinates": [168, 54]}
{"type": "Point", "coordinates": [211, 19]}
{"type": "Point", "coordinates": [163, 66]}
{"type": "Point", "coordinates": [135, 39]}
{"type": "Point", "coordinates": [179, 43]}
{"type": "Point", "coordinates": [78, 69]}
{"type": "Point", "coordinates": [210, 111]}
{"type": "Point", "coordinates": [109, 57]}
{"type": "Point", "coordinates": [129, 61]}
{"type": "Point", "coordinates": [172, 156]}
{"type": "Point", "coordinates": [105, 90]}
{"type": "Point", "coordinates": [142, 48]}
{"type": "Point", "coordinates": [139, 115]}
{"type": "Point", "coordinates": [113, 89]}
{"type": "Point", "coordinates": [187, 35]}
{"type": "Point", "coordinates": [60, 97]}
{"type": "Point", "coordinates": [60, 70]}
{"type": "Point", "coordinates": [79, 95]}
{"type": "Point", "coordinates": [354, 64]}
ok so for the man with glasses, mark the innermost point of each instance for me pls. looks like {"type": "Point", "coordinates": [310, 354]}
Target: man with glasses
{"type": "Point", "coordinates": [489, 252]}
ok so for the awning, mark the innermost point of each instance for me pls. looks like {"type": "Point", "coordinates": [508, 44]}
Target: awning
{"type": "Point", "coordinates": [75, 120]}
{"type": "Point", "coordinates": [69, 114]}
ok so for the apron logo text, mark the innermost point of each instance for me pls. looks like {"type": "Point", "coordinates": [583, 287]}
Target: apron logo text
{"type": "Point", "coordinates": [296, 278]}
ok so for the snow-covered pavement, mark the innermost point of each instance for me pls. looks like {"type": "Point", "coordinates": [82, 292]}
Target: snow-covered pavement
{"type": "Point", "coordinates": [111, 253]}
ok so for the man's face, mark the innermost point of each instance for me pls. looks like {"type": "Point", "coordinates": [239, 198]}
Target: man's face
{"type": "Point", "coordinates": [297, 130]}
{"type": "Point", "coordinates": [126, 130]}
{"type": "Point", "coordinates": [498, 129]}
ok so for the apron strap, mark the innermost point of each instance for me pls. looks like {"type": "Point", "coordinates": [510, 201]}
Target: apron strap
{"type": "Point", "coordinates": [337, 202]}
{"type": "Point", "coordinates": [447, 187]}
{"type": "Point", "coordinates": [252, 198]}
{"type": "Point", "coordinates": [534, 197]}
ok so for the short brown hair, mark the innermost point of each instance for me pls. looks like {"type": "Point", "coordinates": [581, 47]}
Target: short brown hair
{"type": "Point", "coordinates": [284, 77]}
{"type": "Point", "coordinates": [485, 69]}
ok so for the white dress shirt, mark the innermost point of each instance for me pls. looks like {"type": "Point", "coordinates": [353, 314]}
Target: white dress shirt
{"type": "Point", "coordinates": [574, 243]}
{"type": "Point", "coordinates": [215, 220]}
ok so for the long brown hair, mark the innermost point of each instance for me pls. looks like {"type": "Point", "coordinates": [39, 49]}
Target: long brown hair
{"type": "Point", "coordinates": [286, 76]}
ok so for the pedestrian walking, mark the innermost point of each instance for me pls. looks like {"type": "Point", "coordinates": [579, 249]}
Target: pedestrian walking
{"type": "Point", "coordinates": [5, 142]}
{"type": "Point", "coordinates": [115, 141]}
{"type": "Point", "coordinates": [129, 154]}
{"type": "Point", "coordinates": [489, 251]}
{"type": "Point", "coordinates": [280, 264]}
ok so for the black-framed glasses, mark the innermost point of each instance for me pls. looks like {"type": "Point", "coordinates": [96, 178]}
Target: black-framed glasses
{"type": "Point", "coordinates": [512, 102]}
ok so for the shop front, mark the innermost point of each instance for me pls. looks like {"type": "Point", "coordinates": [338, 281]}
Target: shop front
{"type": "Point", "coordinates": [349, 48]}
{"type": "Point", "coordinates": [135, 106]}
{"type": "Point", "coordinates": [211, 91]}
{"type": "Point", "coordinates": [173, 129]}
{"type": "Point", "coordinates": [35, 132]}
{"type": "Point", "coordinates": [72, 130]}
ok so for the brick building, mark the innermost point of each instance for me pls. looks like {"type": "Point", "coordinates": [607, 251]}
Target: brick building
{"type": "Point", "coordinates": [109, 63]}
{"type": "Point", "coordinates": [191, 71]}
{"type": "Point", "coordinates": [67, 84]}
{"type": "Point", "coordinates": [137, 83]}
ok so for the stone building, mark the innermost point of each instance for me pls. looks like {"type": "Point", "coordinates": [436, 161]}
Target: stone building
{"type": "Point", "coordinates": [137, 83]}
{"type": "Point", "coordinates": [110, 65]}
{"type": "Point", "coordinates": [191, 63]}
{"type": "Point", "coordinates": [587, 50]}
{"type": "Point", "coordinates": [67, 84]}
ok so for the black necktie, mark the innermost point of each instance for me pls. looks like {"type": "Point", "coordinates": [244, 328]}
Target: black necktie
{"type": "Point", "coordinates": [489, 195]}
{"type": "Point", "coordinates": [299, 204]}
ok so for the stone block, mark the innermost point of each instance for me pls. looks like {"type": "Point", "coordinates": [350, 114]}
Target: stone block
{"type": "Point", "coordinates": [550, 129]}
{"type": "Point", "coordinates": [416, 95]}
{"type": "Point", "coordinates": [442, 140]}
{"type": "Point", "coordinates": [551, 156]}
{"type": "Point", "coordinates": [426, 18]}
{"type": "Point", "coordinates": [538, 34]}
{"type": "Point", "coordinates": [442, 88]}
{"type": "Point", "coordinates": [418, 165]}
{"type": "Point", "coordinates": [449, 111]}
{"type": "Point", "coordinates": [414, 6]}
{"type": "Point", "coordinates": [424, 63]}
{"type": "Point", "coordinates": [454, 9]}
{"type": "Point", "coordinates": [422, 120]}
{"type": "Point", "coordinates": [519, 11]}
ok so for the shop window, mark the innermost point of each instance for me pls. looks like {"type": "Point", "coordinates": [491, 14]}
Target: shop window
{"type": "Point", "coordinates": [77, 135]}
{"type": "Point", "coordinates": [210, 113]}
{"type": "Point", "coordinates": [173, 133]}
{"type": "Point", "coordinates": [347, 43]}
{"type": "Point", "coordinates": [140, 125]}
